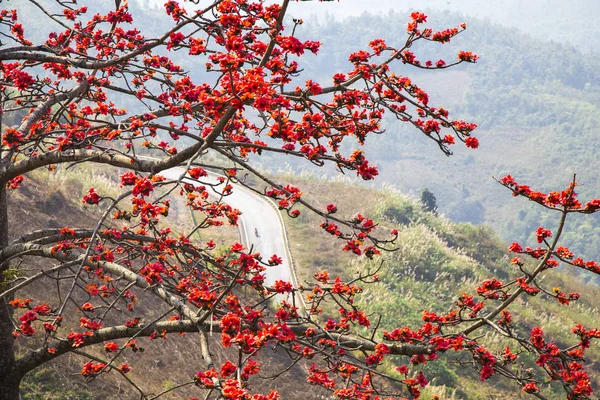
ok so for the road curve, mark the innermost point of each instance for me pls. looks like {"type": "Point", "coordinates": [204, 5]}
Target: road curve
{"type": "Point", "coordinates": [257, 213]}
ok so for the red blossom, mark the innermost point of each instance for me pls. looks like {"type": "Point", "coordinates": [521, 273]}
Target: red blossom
{"type": "Point", "coordinates": [256, 63]}
{"type": "Point", "coordinates": [530, 388]}
{"type": "Point", "coordinates": [91, 368]}
{"type": "Point", "coordinates": [472, 142]}
{"type": "Point", "coordinates": [142, 187]}
{"type": "Point", "coordinates": [15, 182]}
{"type": "Point", "coordinates": [92, 197]}
{"type": "Point", "coordinates": [467, 56]}
{"type": "Point", "coordinates": [542, 234]}
{"type": "Point", "coordinates": [111, 347]}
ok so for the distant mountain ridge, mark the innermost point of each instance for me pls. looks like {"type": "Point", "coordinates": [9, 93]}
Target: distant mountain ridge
{"type": "Point", "coordinates": [536, 102]}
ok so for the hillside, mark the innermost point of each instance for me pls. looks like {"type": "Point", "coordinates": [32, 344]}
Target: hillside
{"type": "Point", "coordinates": [52, 201]}
{"type": "Point", "coordinates": [435, 261]}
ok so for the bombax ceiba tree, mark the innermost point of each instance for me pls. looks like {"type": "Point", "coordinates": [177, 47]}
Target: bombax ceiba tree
{"type": "Point", "coordinates": [68, 93]}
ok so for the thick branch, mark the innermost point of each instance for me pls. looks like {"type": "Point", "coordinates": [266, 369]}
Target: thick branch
{"type": "Point", "coordinates": [43, 108]}
{"type": "Point", "coordinates": [40, 356]}
{"type": "Point", "coordinates": [12, 170]}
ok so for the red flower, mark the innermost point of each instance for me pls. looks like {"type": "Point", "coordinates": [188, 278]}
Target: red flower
{"type": "Point", "coordinates": [91, 368]}
{"type": "Point", "coordinates": [274, 260]}
{"type": "Point", "coordinates": [143, 187]}
{"type": "Point", "coordinates": [418, 17]}
{"type": "Point", "coordinates": [48, 327]}
{"type": "Point", "coordinates": [66, 231]}
{"type": "Point", "coordinates": [28, 317]}
{"type": "Point", "coordinates": [92, 197]}
{"type": "Point", "coordinates": [530, 388]}
{"type": "Point", "coordinates": [128, 179]}
{"type": "Point", "coordinates": [291, 45]}
{"type": "Point", "coordinates": [339, 78]}
{"type": "Point", "coordinates": [282, 287]}
{"type": "Point", "coordinates": [133, 323]}
{"type": "Point", "coordinates": [472, 142]}
{"type": "Point", "coordinates": [227, 369]}
{"type": "Point", "coordinates": [467, 56]}
{"type": "Point", "coordinates": [448, 139]}
{"type": "Point", "coordinates": [403, 369]}
{"type": "Point", "coordinates": [15, 182]}
{"type": "Point", "coordinates": [542, 234]}
{"type": "Point", "coordinates": [11, 138]}
{"type": "Point", "coordinates": [87, 307]}
{"type": "Point", "coordinates": [515, 248]}
{"type": "Point", "coordinates": [111, 347]}
{"type": "Point", "coordinates": [230, 323]}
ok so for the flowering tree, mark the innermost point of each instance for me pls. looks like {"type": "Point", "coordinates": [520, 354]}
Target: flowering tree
{"type": "Point", "coordinates": [255, 100]}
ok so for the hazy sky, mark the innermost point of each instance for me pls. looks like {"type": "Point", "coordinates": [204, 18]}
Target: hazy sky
{"type": "Point", "coordinates": [344, 8]}
{"type": "Point", "coordinates": [571, 22]}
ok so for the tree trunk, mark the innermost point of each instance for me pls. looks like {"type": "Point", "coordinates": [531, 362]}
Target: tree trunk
{"type": "Point", "coordinates": [9, 377]}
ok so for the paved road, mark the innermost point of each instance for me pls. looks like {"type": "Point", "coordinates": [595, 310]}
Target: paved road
{"type": "Point", "coordinates": [257, 213]}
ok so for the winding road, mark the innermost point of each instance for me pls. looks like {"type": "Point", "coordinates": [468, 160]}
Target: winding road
{"type": "Point", "coordinates": [257, 213]}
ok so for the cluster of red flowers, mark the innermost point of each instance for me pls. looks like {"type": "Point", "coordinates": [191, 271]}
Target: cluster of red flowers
{"type": "Point", "coordinates": [563, 365]}
{"type": "Point", "coordinates": [92, 197]}
{"type": "Point", "coordinates": [33, 314]}
{"type": "Point", "coordinates": [90, 368]}
{"type": "Point", "coordinates": [491, 289]}
{"type": "Point", "coordinates": [566, 198]}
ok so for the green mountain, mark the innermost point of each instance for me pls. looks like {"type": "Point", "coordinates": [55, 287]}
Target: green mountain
{"type": "Point", "coordinates": [536, 104]}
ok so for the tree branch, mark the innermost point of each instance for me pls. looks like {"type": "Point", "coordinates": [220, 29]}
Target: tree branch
{"type": "Point", "coordinates": [41, 355]}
